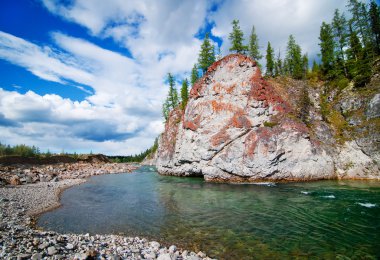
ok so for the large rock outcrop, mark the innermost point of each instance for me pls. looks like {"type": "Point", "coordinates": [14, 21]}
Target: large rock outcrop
{"type": "Point", "coordinates": [238, 127]}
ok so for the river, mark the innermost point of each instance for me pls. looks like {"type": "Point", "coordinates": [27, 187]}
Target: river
{"type": "Point", "coordinates": [309, 220]}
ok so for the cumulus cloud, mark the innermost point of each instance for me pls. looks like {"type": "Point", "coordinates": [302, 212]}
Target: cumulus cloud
{"type": "Point", "coordinates": [55, 119]}
{"type": "Point", "coordinates": [122, 113]}
{"type": "Point", "coordinates": [275, 20]}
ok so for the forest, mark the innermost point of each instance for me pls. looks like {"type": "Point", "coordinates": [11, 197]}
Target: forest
{"type": "Point", "coordinates": [349, 45]}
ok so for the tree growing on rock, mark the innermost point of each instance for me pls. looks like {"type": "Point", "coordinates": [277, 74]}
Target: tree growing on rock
{"type": "Point", "coordinates": [194, 75]}
{"type": "Point", "coordinates": [184, 93]}
{"type": "Point", "coordinates": [305, 66]}
{"type": "Point", "coordinates": [237, 38]}
{"type": "Point", "coordinates": [253, 47]}
{"type": "Point", "coordinates": [278, 68]}
{"type": "Point", "coordinates": [171, 101]}
{"type": "Point", "coordinates": [374, 15]}
{"type": "Point", "coordinates": [327, 47]}
{"type": "Point", "coordinates": [294, 58]}
{"type": "Point", "coordinates": [304, 105]}
{"type": "Point", "coordinates": [207, 54]}
{"type": "Point", "coordinates": [270, 60]}
{"type": "Point", "coordinates": [340, 31]}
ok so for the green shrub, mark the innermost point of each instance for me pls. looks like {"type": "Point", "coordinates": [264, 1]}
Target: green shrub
{"type": "Point", "coordinates": [269, 124]}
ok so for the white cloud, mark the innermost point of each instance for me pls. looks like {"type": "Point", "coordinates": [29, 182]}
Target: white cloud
{"type": "Point", "coordinates": [122, 113]}
{"type": "Point", "coordinates": [41, 61]}
{"type": "Point", "coordinates": [275, 20]}
{"type": "Point", "coordinates": [51, 121]}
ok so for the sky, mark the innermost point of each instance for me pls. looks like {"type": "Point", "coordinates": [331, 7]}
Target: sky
{"type": "Point", "coordinates": [90, 75]}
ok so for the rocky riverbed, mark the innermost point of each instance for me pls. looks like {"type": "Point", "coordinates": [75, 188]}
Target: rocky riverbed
{"type": "Point", "coordinates": [24, 174]}
{"type": "Point", "coordinates": [20, 239]}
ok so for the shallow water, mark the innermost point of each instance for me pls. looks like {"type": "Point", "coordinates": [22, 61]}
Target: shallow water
{"type": "Point", "coordinates": [315, 220]}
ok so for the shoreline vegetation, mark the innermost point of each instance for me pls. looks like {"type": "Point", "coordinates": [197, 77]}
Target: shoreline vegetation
{"type": "Point", "coordinates": [22, 202]}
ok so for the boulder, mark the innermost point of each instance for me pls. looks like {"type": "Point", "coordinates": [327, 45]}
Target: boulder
{"type": "Point", "coordinates": [14, 180]}
{"type": "Point", "coordinates": [236, 127]}
{"type": "Point", "coordinates": [373, 109]}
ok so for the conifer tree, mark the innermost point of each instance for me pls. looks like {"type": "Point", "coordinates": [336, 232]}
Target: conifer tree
{"type": "Point", "coordinates": [360, 22]}
{"type": "Point", "coordinates": [207, 54]}
{"type": "Point", "coordinates": [166, 109]}
{"type": "Point", "coordinates": [173, 95]}
{"type": "Point", "coordinates": [304, 106]}
{"type": "Point", "coordinates": [294, 58]}
{"type": "Point", "coordinates": [270, 60]}
{"type": "Point", "coordinates": [253, 47]}
{"type": "Point", "coordinates": [194, 75]}
{"type": "Point", "coordinates": [374, 15]}
{"type": "Point", "coordinates": [184, 93]}
{"type": "Point", "coordinates": [339, 28]}
{"type": "Point", "coordinates": [327, 47]}
{"type": "Point", "coordinates": [171, 101]}
{"type": "Point", "coordinates": [305, 66]}
{"type": "Point", "coordinates": [315, 67]}
{"type": "Point", "coordinates": [237, 38]}
{"type": "Point", "coordinates": [355, 50]}
{"type": "Point", "coordinates": [278, 69]}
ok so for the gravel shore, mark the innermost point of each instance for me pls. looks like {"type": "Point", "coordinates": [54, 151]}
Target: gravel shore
{"type": "Point", "coordinates": [20, 240]}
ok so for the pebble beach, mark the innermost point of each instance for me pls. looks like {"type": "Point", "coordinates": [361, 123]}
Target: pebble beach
{"type": "Point", "coordinates": [22, 202]}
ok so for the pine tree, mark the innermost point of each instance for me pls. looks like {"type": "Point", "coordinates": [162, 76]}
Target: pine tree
{"type": "Point", "coordinates": [270, 60]}
{"type": "Point", "coordinates": [374, 15]}
{"type": "Point", "coordinates": [294, 58]}
{"type": "Point", "coordinates": [237, 38]}
{"type": "Point", "coordinates": [171, 101]}
{"type": "Point", "coordinates": [173, 95]}
{"type": "Point", "coordinates": [253, 49]}
{"type": "Point", "coordinates": [327, 47]}
{"type": "Point", "coordinates": [339, 28]}
{"type": "Point", "coordinates": [304, 106]}
{"type": "Point", "coordinates": [166, 109]}
{"type": "Point", "coordinates": [360, 22]}
{"type": "Point", "coordinates": [305, 66]}
{"type": "Point", "coordinates": [278, 69]}
{"type": "Point", "coordinates": [194, 75]}
{"type": "Point", "coordinates": [207, 54]}
{"type": "Point", "coordinates": [315, 67]}
{"type": "Point", "coordinates": [184, 93]}
{"type": "Point", "coordinates": [359, 60]}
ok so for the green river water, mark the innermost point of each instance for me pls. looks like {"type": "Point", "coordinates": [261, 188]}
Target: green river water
{"type": "Point", "coordinates": [314, 220]}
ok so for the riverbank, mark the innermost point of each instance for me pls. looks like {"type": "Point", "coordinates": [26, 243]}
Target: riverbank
{"type": "Point", "coordinates": [19, 174]}
{"type": "Point", "coordinates": [19, 239]}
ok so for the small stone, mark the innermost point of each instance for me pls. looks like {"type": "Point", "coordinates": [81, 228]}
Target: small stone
{"type": "Point", "coordinates": [80, 256]}
{"type": "Point", "coordinates": [14, 180]}
{"type": "Point", "coordinates": [155, 245]}
{"type": "Point", "coordinates": [184, 254]}
{"type": "Point", "coordinates": [201, 254]}
{"type": "Point", "coordinates": [69, 246]}
{"type": "Point", "coordinates": [165, 257]}
{"type": "Point", "coordinates": [150, 255]}
{"type": "Point", "coordinates": [36, 256]}
{"type": "Point", "coordinates": [52, 250]}
{"type": "Point", "coordinates": [23, 256]}
{"type": "Point", "coordinates": [172, 249]}
{"type": "Point", "coordinates": [43, 245]}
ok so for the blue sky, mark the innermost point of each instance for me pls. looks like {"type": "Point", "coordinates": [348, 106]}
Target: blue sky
{"type": "Point", "coordinates": [89, 75]}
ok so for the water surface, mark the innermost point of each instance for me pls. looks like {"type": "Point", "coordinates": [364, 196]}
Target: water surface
{"type": "Point", "coordinates": [315, 220]}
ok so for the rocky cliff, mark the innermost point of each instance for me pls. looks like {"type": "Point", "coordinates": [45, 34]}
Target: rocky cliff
{"type": "Point", "coordinates": [239, 127]}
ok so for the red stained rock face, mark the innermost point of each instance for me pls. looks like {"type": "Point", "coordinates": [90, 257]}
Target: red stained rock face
{"type": "Point", "coordinates": [236, 127]}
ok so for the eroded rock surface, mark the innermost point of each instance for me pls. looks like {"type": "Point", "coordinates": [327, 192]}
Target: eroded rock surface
{"type": "Point", "coordinates": [238, 127]}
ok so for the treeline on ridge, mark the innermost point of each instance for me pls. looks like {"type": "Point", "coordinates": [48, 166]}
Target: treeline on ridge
{"type": "Point", "coordinates": [348, 48]}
